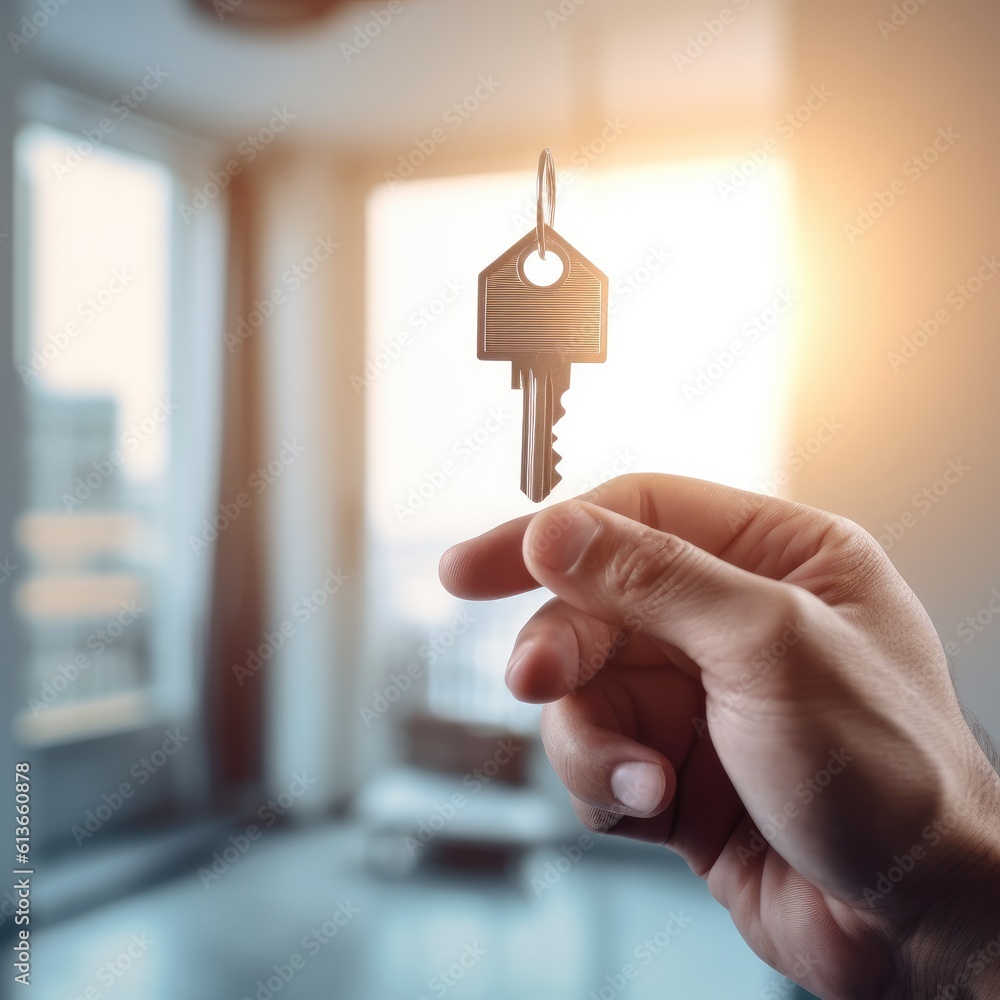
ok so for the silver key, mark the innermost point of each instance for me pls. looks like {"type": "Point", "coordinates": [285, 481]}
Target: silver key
{"type": "Point", "coordinates": [541, 330]}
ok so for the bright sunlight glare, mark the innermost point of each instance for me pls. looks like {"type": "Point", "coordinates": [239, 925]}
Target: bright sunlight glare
{"type": "Point", "coordinates": [692, 271]}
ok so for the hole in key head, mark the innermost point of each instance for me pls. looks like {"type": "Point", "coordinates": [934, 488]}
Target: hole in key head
{"type": "Point", "coordinates": [543, 273]}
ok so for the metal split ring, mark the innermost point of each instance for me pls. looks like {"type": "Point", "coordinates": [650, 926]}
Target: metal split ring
{"type": "Point", "coordinates": [545, 194]}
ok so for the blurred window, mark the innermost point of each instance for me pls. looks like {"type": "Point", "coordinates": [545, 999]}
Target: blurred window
{"type": "Point", "coordinates": [696, 267]}
{"type": "Point", "coordinates": [95, 251]}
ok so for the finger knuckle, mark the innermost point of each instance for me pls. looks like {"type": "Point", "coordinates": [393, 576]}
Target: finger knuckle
{"type": "Point", "coordinates": [649, 575]}
{"type": "Point", "coordinates": [854, 559]}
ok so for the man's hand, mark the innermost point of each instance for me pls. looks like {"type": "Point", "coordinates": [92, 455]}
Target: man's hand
{"type": "Point", "coordinates": [749, 682]}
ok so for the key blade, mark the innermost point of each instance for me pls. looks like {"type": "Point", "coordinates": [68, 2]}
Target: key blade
{"type": "Point", "coordinates": [536, 435]}
{"type": "Point", "coordinates": [542, 386]}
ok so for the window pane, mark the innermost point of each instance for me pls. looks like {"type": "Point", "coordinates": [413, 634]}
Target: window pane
{"type": "Point", "coordinates": [95, 361]}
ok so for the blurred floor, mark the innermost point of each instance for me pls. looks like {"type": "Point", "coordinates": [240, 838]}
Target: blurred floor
{"type": "Point", "coordinates": [306, 893]}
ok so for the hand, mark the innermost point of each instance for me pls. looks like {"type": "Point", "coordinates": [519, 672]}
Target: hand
{"type": "Point", "coordinates": [749, 682]}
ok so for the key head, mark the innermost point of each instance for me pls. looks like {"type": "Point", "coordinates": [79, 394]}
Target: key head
{"type": "Point", "coordinates": [567, 319]}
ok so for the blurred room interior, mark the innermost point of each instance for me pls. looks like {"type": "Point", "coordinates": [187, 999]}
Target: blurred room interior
{"type": "Point", "coordinates": [240, 244]}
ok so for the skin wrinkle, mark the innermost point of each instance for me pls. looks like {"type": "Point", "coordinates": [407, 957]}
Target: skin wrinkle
{"type": "Point", "coordinates": [857, 567]}
{"type": "Point", "coordinates": [740, 535]}
{"type": "Point", "coordinates": [630, 572]}
{"type": "Point", "coordinates": [837, 921]}
{"type": "Point", "coordinates": [762, 551]}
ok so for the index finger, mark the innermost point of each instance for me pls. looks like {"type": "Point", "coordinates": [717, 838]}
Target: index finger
{"type": "Point", "coordinates": [715, 518]}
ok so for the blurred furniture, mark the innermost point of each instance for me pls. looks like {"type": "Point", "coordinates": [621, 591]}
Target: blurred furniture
{"type": "Point", "coordinates": [461, 796]}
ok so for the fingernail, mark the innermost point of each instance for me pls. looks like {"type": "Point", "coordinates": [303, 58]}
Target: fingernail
{"type": "Point", "coordinates": [564, 538]}
{"type": "Point", "coordinates": [638, 786]}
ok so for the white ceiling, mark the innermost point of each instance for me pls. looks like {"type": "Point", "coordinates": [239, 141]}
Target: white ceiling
{"type": "Point", "coordinates": [612, 58]}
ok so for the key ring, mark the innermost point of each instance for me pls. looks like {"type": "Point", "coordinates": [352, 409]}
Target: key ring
{"type": "Point", "coordinates": [545, 190]}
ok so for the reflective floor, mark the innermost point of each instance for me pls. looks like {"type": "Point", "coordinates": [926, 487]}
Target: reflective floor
{"type": "Point", "coordinates": [298, 916]}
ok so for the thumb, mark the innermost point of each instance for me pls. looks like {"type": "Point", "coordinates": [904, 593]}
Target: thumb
{"type": "Point", "coordinates": [630, 575]}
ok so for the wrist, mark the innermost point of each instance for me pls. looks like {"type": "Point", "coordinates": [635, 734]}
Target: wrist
{"type": "Point", "coordinates": [952, 950]}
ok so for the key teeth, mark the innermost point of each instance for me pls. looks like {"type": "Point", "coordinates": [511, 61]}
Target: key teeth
{"type": "Point", "coordinates": [558, 410]}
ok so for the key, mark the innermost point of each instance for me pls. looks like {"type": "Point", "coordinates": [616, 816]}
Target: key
{"type": "Point", "coordinates": [541, 330]}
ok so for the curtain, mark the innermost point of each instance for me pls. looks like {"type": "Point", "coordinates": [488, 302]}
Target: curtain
{"type": "Point", "coordinates": [235, 688]}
